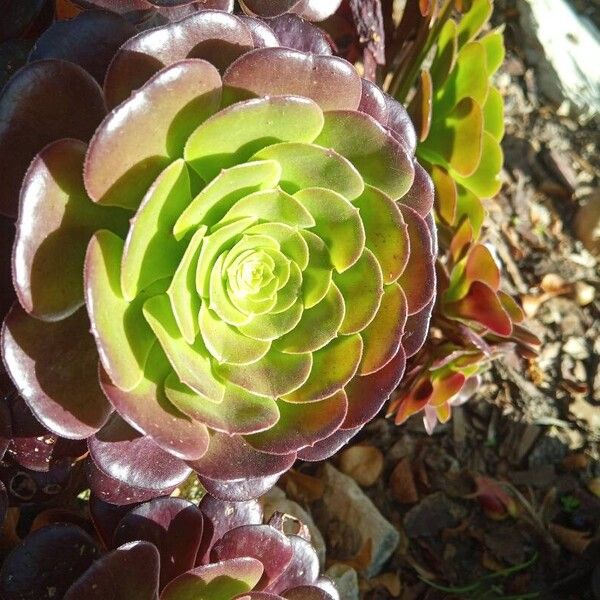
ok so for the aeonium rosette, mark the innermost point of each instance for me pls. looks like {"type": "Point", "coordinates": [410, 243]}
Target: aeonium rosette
{"type": "Point", "coordinates": [245, 243]}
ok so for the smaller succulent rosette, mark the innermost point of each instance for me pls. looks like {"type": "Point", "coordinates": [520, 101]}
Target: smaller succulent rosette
{"type": "Point", "coordinates": [167, 549]}
{"type": "Point", "coordinates": [246, 235]}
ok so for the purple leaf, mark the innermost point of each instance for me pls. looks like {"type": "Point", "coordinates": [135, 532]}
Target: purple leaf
{"type": "Point", "coordinates": [45, 101]}
{"type": "Point", "coordinates": [233, 470]}
{"type": "Point", "coordinates": [329, 446]}
{"type": "Point", "coordinates": [126, 455]}
{"type": "Point", "coordinates": [46, 563]}
{"type": "Point", "coordinates": [105, 518]}
{"type": "Point", "coordinates": [173, 525]}
{"type": "Point", "coordinates": [53, 366]}
{"type": "Point", "coordinates": [302, 570]}
{"type": "Point", "coordinates": [294, 32]}
{"type": "Point", "coordinates": [89, 40]}
{"type": "Point", "coordinates": [129, 572]}
{"type": "Point", "coordinates": [221, 516]}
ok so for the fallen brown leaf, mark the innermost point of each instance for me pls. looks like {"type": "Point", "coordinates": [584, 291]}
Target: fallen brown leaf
{"type": "Point", "coordinates": [363, 463]}
{"type": "Point", "coordinates": [402, 483]}
{"type": "Point", "coordinates": [570, 539]}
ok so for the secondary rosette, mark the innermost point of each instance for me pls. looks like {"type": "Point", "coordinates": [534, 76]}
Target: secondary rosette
{"type": "Point", "coordinates": [247, 237]}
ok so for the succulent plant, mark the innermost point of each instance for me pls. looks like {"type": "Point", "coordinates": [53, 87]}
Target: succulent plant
{"type": "Point", "coordinates": [246, 234]}
{"type": "Point", "coordinates": [168, 548]}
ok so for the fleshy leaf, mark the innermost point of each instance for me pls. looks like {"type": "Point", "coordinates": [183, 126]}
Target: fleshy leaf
{"type": "Point", "coordinates": [309, 165]}
{"type": "Point", "coordinates": [416, 329]}
{"type": "Point", "coordinates": [47, 562]}
{"type": "Point", "coordinates": [337, 223]}
{"type": "Point", "coordinates": [418, 278]}
{"type": "Point", "coordinates": [233, 470]}
{"type": "Point", "coordinates": [303, 569]}
{"type": "Point", "coordinates": [146, 408]}
{"type": "Point", "coordinates": [445, 54]}
{"type": "Point", "coordinates": [124, 454]}
{"type": "Point", "coordinates": [53, 366]}
{"type": "Point", "coordinates": [224, 191]}
{"type": "Point", "coordinates": [301, 425]}
{"type": "Point", "coordinates": [317, 327]}
{"type": "Point", "coordinates": [274, 375]}
{"type": "Point", "coordinates": [386, 232]}
{"type": "Point", "coordinates": [173, 525]}
{"type": "Point", "coordinates": [445, 194]}
{"type": "Point", "coordinates": [216, 581]}
{"type": "Point", "coordinates": [251, 125]}
{"type": "Point", "coordinates": [239, 411]}
{"type": "Point", "coordinates": [262, 542]}
{"type": "Point", "coordinates": [382, 161]}
{"type": "Point", "coordinates": [382, 336]}
{"type": "Point", "coordinates": [294, 32]}
{"type": "Point", "coordinates": [493, 114]}
{"type": "Point", "coordinates": [89, 40]}
{"type": "Point", "coordinates": [214, 36]}
{"type": "Point", "coordinates": [122, 335]}
{"type": "Point", "coordinates": [130, 571]}
{"type": "Point", "coordinates": [45, 101]}
{"type": "Point", "coordinates": [473, 20]}
{"type": "Point", "coordinates": [278, 71]}
{"type": "Point", "coordinates": [362, 288]}
{"type": "Point", "coordinates": [493, 43]}
{"type": "Point", "coordinates": [151, 252]}
{"type": "Point", "coordinates": [56, 222]}
{"type": "Point", "coordinates": [135, 142]}
{"type": "Point", "coordinates": [191, 362]}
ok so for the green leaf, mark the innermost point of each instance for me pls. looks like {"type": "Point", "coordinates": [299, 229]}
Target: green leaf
{"type": "Point", "coordinates": [381, 338]}
{"type": "Point", "coordinates": [239, 412]}
{"type": "Point", "coordinates": [445, 54]}
{"type": "Point", "coordinates": [290, 292]}
{"type": "Point", "coordinates": [213, 245]}
{"type": "Point", "coordinates": [184, 298]}
{"type": "Point", "coordinates": [192, 363]}
{"type": "Point", "coordinates": [456, 141]}
{"type": "Point", "coordinates": [209, 206]}
{"type": "Point", "coordinates": [493, 43]}
{"type": "Point", "coordinates": [469, 205]}
{"type": "Point", "coordinates": [473, 21]}
{"type": "Point", "coordinates": [227, 344]}
{"type": "Point", "coordinates": [123, 337]}
{"type": "Point", "coordinates": [381, 160]}
{"type": "Point", "coordinates": [318, 273]}
{"type": "Point", "coordinates": [485, 181]}
{"type": "Point", "coordinates": [235, 133]}
{"type": "Point", "coordinates": [272, 326]}
{"type": "Point", "coordinates": [309, 165]}
{"type": "Point", "coordinates": [337, 223]}
{"type": "Point", "coordinates": [291, 243]}
{"type": "Point", "coordinates": [318, 326]}
{"type": "Point", "coordinates": [151, 251]}
{"type": "Point", "coordinates": [274, 375]}
{"type": "Point", "coordinates": [362, 288]}
{"type": "Point", "coordinates": [386, 233]}
{"type": "Point", "coordinates": [271, 206]}
{"type": "Point", "coordinates": [333, 367]}
{"type": "Point", "coordinates": [493, 114]}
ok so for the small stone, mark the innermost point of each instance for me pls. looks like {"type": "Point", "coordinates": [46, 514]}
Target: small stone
{"type": "Point", "coordinates": [576, 347]}
{"type": "Point", "coordinates": [584, 293]}
{"type": "Point", "coordinates": [433, 514]}
{"type": "Point", "coordinates": [547, 451]}
{"type": "Point", "coordinates": [347, 512]}
{"type": "Point", "coordinates": [345, 579]}
{"type": "Point", "coordinates": [587, 224]}
{"type": "Point", "coordinates": [363, 463]}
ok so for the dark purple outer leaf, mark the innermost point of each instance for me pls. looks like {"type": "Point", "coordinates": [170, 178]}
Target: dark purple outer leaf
{"type": "Point", "coordinates": [268, 8]}
{"type": "Point", "coordinates": [233, 470]}
{"type": "Point", "coordinates": [7, 293]}
{"type": "Point", "coordinates": [6, 391]}
{"type": "Point", "coordinates": [46, 563]}
{"type": "Point", "coordinates": [105, 518]}
{"type": "Point", "coordinates": [310, 592]}
{"type": "Point", "coordinates": [421, 194]}
{"type": "Point", "coordinates": [389, 112]}
{"type": "Point", "coordinates": [262, 35]}
{"type": "Point", "coordinates": [32, 446]}
{"type": "Point", "coordinates": [117, 492]}
{"type": "Point", "coordinates": [415, 331]}
{"type": "Point", "coordinates": [220, 517]}
{"type": "Point", "coordinates": [129, 572]}
{"type": "Point", "coordinates": [135, 11]}
{"type": "Point", "coordinates": [303, 568]}
{"type": "Point", "coordinates": [213, 35]}
{"type": "Point", "coordinates": [89, 40]}
{"type": "Point", "coordinates": [329, 446]}
{"type": "Point", "coordinates": [126, 455]}
{"type": "Point", "coordinates": [294, 32]}
{"type": "Point", "coordinates": [17, 16]}
{"type": "Point", "coordinates": [263, 542]}
{"type": "Point", "coordinates": [46, 100]}
{"type": "Point", "coordinates": [46, 362]}
{"type": "Point", "coordinates": [173, 525]}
